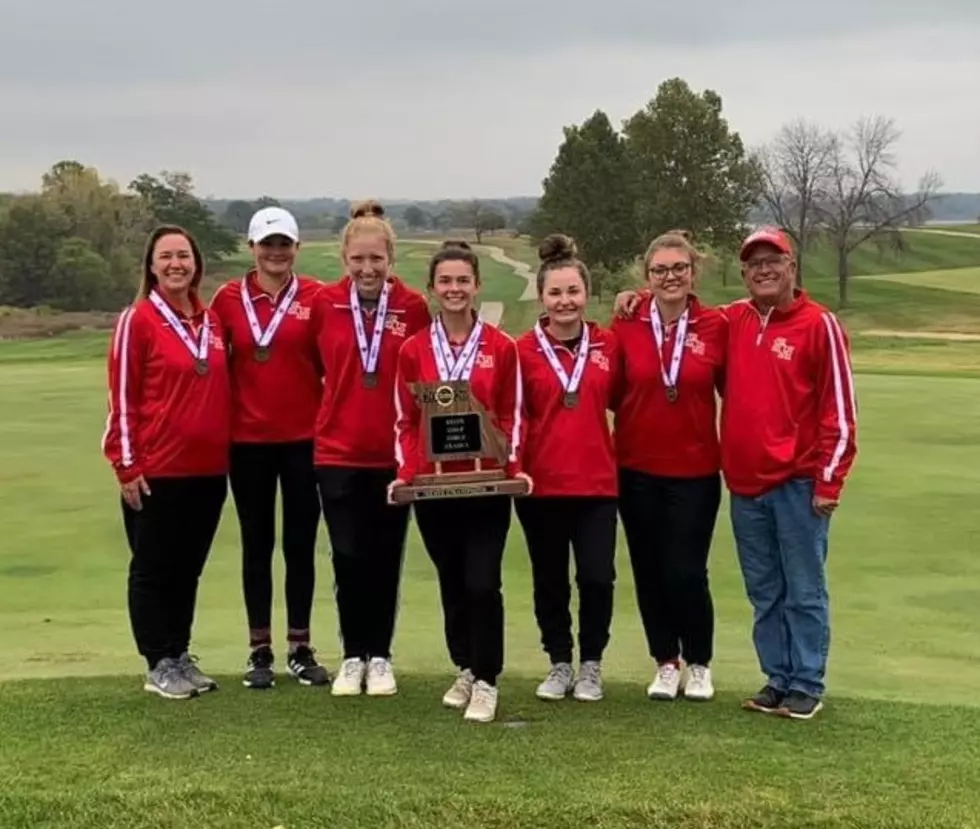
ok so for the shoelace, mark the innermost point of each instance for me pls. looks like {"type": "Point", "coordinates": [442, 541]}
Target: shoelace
{"type": "Point", "coordinates": [560, 673]}
{"type": "Point", "coordinates": [352, 667]}
{"type": "Point", "coordinates": [380, 666]}
{"type": "Point", "coordinates": [667, 672]}
{"type": "Point", "coordinates": [590, 673]}
{"type": "Point", "coordinates": [698, 674]}
{"type": "Point", "coordinates": [482, 695]}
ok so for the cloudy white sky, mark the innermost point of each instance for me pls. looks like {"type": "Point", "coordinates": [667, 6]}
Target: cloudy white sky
{"type": "Point", "coordinates": [434, 98]}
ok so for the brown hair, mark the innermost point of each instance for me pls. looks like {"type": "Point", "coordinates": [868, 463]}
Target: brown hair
{"type": "Point", "coordinates": [454, 251]}
{"type": "Point", "coordinates": [674, 240]}
{"type": "Point", "coordinates": [560, 251]}
{"type": "Point", "coordinates": [368, 217]}
{"type": "Point", "coordinates": [149, 280]}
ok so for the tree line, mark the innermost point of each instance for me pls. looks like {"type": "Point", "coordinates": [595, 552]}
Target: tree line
{"type": "Point", "coordinates": [677, 163]}
{"type": "Point", "coordinates": [77, 243]}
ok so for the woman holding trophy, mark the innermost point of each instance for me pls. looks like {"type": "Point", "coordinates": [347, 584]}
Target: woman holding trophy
{"type": "Point", "coordinates": [460, 355]}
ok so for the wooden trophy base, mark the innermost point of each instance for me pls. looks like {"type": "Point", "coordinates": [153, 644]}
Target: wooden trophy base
{"type": "Point", "coordinates": [459, 485]}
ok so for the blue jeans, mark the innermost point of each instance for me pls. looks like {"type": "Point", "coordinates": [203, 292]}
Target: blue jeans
{"type": "Point", "coordinates": [782, 549]}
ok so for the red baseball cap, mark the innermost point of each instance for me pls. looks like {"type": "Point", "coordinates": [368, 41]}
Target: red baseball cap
{"type": "Point", "coordinates": [767, 235]}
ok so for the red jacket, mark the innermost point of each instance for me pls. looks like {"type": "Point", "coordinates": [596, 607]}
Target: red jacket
{"type": "Point", "coordinates": [495, 383]}
{"type": "Point", "coordinates": [354, 425]}
{"type": "Point", "coordinates": [569, 451]}
{"type": "Point", "coordinates": [790, 410]}
{"type": "Point", "coordinates": [274, 401]}
{"type": "Point", "coordinates": [653, 435]}
{"type": "Point", "coordinates": [165, 420]}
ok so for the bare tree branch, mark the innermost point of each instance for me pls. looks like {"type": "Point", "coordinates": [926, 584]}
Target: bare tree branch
{"type": "Point", "coordinates": [796, 174]}
{"type": "Point", "coordinates": [863, 200]}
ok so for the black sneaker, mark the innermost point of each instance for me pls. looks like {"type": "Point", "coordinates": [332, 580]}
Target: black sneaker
{"type": "Point", "coordinates": [305, 668]}
{"type": "Point", "coordinates": [260, 674]}
{"type": "Point", "coordinates": [799, 706]}
{"type": "Point", "coordinates": [767, 700]}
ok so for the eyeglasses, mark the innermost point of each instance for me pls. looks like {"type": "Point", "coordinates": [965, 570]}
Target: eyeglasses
{"type": "Point", "coordinates": [677, 269]}
{"type": "Point", "coordinates": [767, 262]}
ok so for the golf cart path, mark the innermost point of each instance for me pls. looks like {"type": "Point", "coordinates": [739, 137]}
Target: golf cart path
{"type": "Point", "coordinates": [949, 336]}
{"type": "Point", "coordinates": [938, 232]}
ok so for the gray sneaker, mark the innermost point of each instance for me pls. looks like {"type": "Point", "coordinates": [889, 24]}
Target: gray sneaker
{"type": "Point", "coordinates": [203, 683]}
{"type": "Point", "coordinates": [588, 688]}
{"type": "Point", "coordinates": [168, 680]}
{"type": "Point", "coordinates": [558, 683]}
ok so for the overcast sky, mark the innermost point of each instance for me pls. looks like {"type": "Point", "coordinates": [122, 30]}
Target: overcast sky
{"type": "Point", "coordinates": [408, 98]}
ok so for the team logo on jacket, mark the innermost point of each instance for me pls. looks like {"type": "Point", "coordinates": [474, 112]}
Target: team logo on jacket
{"type": "Point", "coordinates": [600, 360]}
{"type": "Point", "coordinates": [484, 360]}
{"type": "Point", "coordinates": [395, 325]}
{"type": "Point", "coordinates": [216, 342]}
{"type": "Point", "coordinates": [782, 349]}
{"type": "Point", "coordinates": [695, 344]}
{"type": "Point", "coordinates": [301, 312]}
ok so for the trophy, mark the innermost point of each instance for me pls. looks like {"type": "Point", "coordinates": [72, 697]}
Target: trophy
{"type": "Point", "coordinates": [456, 427]}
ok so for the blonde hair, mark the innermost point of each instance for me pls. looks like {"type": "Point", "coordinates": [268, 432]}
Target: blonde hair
{"type": "Point", "coordinates": [367, 217]}
{"type": "Point", "coordinates": [674, 240]}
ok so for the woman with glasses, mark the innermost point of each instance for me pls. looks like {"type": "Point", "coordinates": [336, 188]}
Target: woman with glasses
{"type": "Point", "coordinates": [673, 358]}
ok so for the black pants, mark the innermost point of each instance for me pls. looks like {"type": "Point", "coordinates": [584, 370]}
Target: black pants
{"type": "Point", "coordinates": [170, 538]}
{"type": "Point", "coordinates": [589, 526]}
{"type": "Point", "coordinates": [257, 472]}
{"type": "Point", "coordinates": [669, 523]}
{"type": "Point", "coordinates": [465, 538]}
{"type": "Point", "coordinates": [367, 537]}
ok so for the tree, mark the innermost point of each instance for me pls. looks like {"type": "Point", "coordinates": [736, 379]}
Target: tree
{"type": "Point", "coordinates": [80, 278]}
{"type": "Point", "coordinates": [688, 169]}
{"type": "Point", "coordinates": [237, 215]}
{"type": "Point", "coordinates": [171, 200]}
{"type": "Point", "coordinates": [864, 200]}
{"type": "Point", "coordinates": [796, 174]}
{"type": "Point", "coordinates": [30, 237]}
{"type": "Point", "coordinates": [416, 218]}
{"type": "Point", "coordinates": [587, 195]}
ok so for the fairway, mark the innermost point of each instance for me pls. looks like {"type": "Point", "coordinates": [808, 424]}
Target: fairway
{"type": "Point", "coordinates": [901, 733]}
{"type": "Point", "coordinates": [966, 280]}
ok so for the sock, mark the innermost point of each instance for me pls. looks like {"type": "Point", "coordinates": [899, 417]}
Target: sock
{"type": "Point", "coordinates": [297, 639]}
{"type": "Point", "coordinates": [259, 637]}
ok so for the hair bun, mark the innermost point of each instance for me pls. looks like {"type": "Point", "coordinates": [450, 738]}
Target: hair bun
{"type": "Point", "coordinates": [368, 207]}
{"type": "Point", "coordinates": [684, 234]}
{"type": "Point", "coordinates": [460, 244]}
{"type": "Point", "coordinates": [557, 246]}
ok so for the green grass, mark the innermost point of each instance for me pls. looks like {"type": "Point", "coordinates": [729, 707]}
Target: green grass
{"type": "Point", "coordinates": [967, 228]}
{"type": "Point", "coordinates": [964, 280]}
{"type": "Point", "coordinates": [82, 746]}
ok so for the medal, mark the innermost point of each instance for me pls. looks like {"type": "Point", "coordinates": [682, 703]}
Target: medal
{"type": "Point", "coordinates": [669, 379]}
{"type": "Point", "coordinates": [450, 367]}
{"type": "Point", "coordinates": [369, 353]}
{"type": "Point", "coordinates": [569, 385]}
{"type": "Point", "coordinates": [261, 338]}
{"type": "Point", "coordinates": [198, 351]}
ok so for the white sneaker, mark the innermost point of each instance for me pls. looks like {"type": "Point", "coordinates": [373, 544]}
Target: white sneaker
{"type": "Point", "coordinates": [557, 683]}
{"type": "Point", "coordinates": [588, 687]}
{"type": "Point", "coordinates": [458, 696]}
{"type": "Point", "coordinates": [698, 685]}
{"type": "Point", "coordinates": [349, 679]}
{"type": "Point", "coordinates": [667, 683]}
{"type": "Point", "coordinates": [483, 703]}
{"type": "Point", "coordinates": [380, 678]}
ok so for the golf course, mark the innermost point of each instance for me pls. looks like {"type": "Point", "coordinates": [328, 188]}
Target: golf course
{"type": "Point", "coordinates": [898, 744]}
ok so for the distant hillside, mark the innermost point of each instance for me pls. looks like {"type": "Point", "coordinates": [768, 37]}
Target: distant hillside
{"type": "Point", "coordinates": [951, 207]}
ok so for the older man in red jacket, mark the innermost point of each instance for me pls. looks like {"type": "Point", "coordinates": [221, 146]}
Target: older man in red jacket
{"type": "Point", "coordinates": [788, 430]}
{"type": "Point", "coordinates": [788, 442]}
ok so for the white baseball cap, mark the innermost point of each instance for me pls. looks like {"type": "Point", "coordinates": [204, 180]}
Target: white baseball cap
{"type": "Point", "coordinates": [272, 221]}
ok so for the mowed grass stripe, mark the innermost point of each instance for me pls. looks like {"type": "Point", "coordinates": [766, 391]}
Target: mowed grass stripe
{"type": "Point", "coordinates": [965, 280]}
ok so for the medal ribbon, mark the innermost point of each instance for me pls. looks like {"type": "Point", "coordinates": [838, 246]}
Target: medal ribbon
{"type": "Point", "coordinates": [450, 368]}
{"type": "Point", "coordinates": [670, 380]}
{"type": "Point", "coordinates": [199, 351]}
{"type": "Point", "coordinates": [369, 353]}
{"type": "Point", "coordinates": [260, 337]}
{"type": "Point", "coordinates": [578, 369]}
